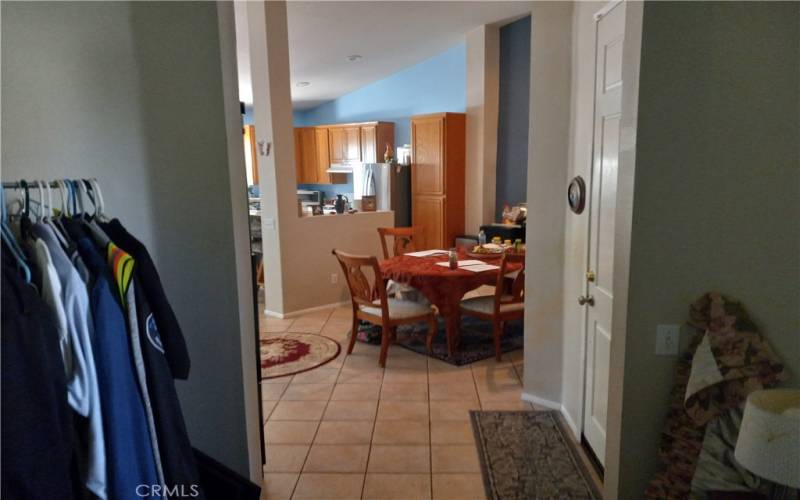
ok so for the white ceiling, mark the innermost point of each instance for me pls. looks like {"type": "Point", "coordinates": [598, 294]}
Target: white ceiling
{"type": "Point", "coordinates": [389, 35]}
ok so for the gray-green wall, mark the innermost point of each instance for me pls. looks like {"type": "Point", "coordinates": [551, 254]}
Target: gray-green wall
{"type": "Point", "coordinates": [131, 93]}
{"type": "Point", "coordinates": [717, 192]}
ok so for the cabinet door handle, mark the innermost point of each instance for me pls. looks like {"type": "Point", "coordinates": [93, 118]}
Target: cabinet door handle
{"type": "Point", "coordinates": [586, 300]}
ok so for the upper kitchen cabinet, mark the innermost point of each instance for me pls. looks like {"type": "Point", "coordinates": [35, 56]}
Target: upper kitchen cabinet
{"type": "Point", "coordinates": [316, 148]}
{"type": "Point", "coordinates": [312, 157]}
{"type": "Point", "coordinates": [305, 155]}
{"type": "Point", "coordinates": [344, 144]}
{"type": "Point", "coordinates": [323, 159]}
{"type": "Point", "coordinates": [438, 151]}
{"type": "Point", "coordinates": [374, 139]}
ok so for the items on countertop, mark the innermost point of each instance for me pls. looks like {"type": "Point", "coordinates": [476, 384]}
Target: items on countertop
{"type": "Point", "coordinates": [727, 360]}
{"type": "Point", "coordinates": [516, 214]}
{"type": "Point", "coordinates": [90, 350]}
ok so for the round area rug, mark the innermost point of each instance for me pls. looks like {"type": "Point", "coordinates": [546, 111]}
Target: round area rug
{"type": "Point", "coordinates": [291, 353]}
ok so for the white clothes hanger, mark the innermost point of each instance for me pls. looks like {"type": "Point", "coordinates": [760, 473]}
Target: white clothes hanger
{"type": "Point", "coordinates": [62, 190]}
{"type": "Point", "coordinates": [41, 212]}
{"type": "Point", "coordinates": [48, 216]}
{"type": "Point", "coordinates": [101, 210]}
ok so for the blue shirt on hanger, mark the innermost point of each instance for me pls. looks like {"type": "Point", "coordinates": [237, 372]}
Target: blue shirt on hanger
{"type": "Point", "coordinates": [129, 454]}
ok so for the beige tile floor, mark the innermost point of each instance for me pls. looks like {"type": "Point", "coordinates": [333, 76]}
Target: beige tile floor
{"type": "Point", "coordinates": [352, 430]}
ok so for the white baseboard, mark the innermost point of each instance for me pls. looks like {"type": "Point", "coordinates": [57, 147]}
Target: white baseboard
{"type": "Point", "coordinates": [576, 431]}
{"type": "Point", "coordinates": [300, 312]}
{"type": "Point", "coordinates": [553, 405]}
{"type": "Point", "coordinates": [530, 398]}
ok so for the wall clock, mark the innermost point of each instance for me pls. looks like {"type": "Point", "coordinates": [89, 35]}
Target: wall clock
{"type": "Point", "coordinates": [576, 194]}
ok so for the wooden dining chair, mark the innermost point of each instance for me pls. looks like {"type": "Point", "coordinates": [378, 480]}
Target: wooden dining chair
{"type": "Point", "coordinates": [403, 239]}
{"type": "Point", "coordinates": [507, 303]}
{"type": "Point", "coordinates": [371, 303]}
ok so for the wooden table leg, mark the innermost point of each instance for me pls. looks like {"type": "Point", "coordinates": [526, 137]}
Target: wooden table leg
{"type": "Point", "coordinates": [451, 325]}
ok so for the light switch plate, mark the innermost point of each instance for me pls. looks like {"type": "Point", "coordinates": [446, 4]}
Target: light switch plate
{"type": "Point", "coordinates": [269, 223]}
{"type": "Point", "coordinates": [667, 339]}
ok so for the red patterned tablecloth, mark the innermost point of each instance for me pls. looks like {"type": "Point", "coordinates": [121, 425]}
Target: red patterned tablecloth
{"type": "Point", "coordinates": [443, 287]}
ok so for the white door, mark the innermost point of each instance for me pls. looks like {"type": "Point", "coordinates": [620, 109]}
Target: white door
{"type": "Point", "coordinates": [603, 197]}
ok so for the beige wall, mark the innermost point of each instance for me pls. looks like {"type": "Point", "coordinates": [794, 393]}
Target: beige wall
{"type": "Point", "coordinates": [132, 93]}
{"type": "Point", "coordinates": [297, 251]}
{"type": "Point", "coordinates": [548, 148]}
{"type": "Point", "coordinates": [309, 262]}
{"type": "Point", "coordinates": [483, 87]}
{"type": "Point", "coordinates": [717, 186]}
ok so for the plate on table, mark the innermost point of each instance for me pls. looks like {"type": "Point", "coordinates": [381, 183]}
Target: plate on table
{"type": "Point", "coordinates": [487, 251]}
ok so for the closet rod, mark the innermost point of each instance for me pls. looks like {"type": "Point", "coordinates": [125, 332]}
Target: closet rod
{"type": "Point", "coordinates": [31, 184]}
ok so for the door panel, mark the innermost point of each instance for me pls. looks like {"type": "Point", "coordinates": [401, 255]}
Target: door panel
{"type": "Point", "coordinates": [428, 213]}
{"type": "Point", "coordinates": [352, 144]}
{"type": "Point", "coordinates": [298, 156]}
{"type": "Point", "coordinates": [336, 148]}
{"type": "Point", "coordinates": [427, 156]}
{"type": "Point", "coordinates": [308, 152]}
{"type": "Point", "coordinates": [605, 197]}
{"type": "Point", "coordinates": [368, 146]}
{"type": "Point", "coordinates": [322, 157]}
{"type": "Point", "coordinates": [603, 201]}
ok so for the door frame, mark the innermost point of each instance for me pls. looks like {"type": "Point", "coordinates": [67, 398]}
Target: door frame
{"type": "Point", "coordinates": [584, 335]}
{"type": "Point", "coordinates": [240, 225]}
{"type": "Point", "coordinates": [631, 65]}
{"type": "Point", "coordinates": [549, 367]}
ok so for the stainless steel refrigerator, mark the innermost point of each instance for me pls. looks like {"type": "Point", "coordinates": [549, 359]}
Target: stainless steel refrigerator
{"type": "Point", "coordinates": [391, 185]}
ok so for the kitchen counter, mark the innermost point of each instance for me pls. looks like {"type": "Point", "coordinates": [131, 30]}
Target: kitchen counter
{"type": "Point", "coordinates": [333, 216]}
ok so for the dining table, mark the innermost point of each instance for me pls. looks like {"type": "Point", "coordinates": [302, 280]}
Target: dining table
{"type": "Point", "coordinates": [442, 286]}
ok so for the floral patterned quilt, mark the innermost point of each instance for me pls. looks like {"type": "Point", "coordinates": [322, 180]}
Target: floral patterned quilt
{"type": "Point", "coordinates": [727, 360]}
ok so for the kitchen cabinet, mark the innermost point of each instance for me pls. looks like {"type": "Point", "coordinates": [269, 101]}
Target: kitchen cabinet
{"type": "Point", "coordinates": [375, 136]}
{"type": "Point", "coordinates": [305, 147]}
{"type": "Point", "coordinates": [312, 157]}
{"type": "Point", "coordinates": [316, 148]}
{"type": "Point", "coordinates": [369, 152]}
{"type": "Point", "coordinates": [428, 213]}
{"type": "Point", "coordinates": [438, 150]}
{"type": "Point", "coordinates": [345, 144]}
{"type": "Point", "coordinates": [323, 159]}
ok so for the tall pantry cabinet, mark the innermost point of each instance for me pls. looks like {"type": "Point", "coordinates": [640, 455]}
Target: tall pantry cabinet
{"type": "Point", "coordinates": [437, 177]}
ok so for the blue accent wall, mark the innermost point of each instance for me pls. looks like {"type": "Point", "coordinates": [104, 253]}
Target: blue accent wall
{"type": "Point", "coordinates": [512, 130]}
{"type": "Point", "coordinates": [431, 86]}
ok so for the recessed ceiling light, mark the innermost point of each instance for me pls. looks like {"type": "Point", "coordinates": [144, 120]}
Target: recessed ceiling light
{"type": "Point", "coordinates": [303, 84]}
{"type": "Point", "coordinates": [354, 57]}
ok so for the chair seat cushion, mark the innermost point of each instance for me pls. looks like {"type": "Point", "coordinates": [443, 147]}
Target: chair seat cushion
{"type": "Point", "coordinates": [398, 309]}
{"type": "Point", "coordinates": [485, 305]}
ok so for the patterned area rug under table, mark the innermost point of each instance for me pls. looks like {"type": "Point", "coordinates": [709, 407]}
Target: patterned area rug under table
{"type": "Point", "coordinates": [529, 455]}
{"type": "Point", "coordinates": [475, 340]}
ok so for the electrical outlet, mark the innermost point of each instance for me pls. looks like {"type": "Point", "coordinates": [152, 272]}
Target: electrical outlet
{"type": "Point", "coordinates": [334, 278]}
{"type": "Point", "coordinates": [667, 338]}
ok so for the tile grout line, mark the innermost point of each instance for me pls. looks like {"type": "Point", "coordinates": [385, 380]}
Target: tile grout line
{"type": "Point", "coordinates": [372, 437]}
{"type": "Point", "coordinates": [316, 431]}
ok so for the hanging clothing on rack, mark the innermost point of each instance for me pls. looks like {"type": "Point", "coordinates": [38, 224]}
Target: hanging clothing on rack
{"type": "Point", "coordinates": [37, 452]}
{"type": "Point", "coordinates": [161, 339]}
{"type": "Point", "coordinates": [121, 266]}
{"type": "Point", "coordinates": [82, 383]}
{"type": "Point", "coordinates": [91, 292]}
{"type": "Point", "coordinates": [130, 453]}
